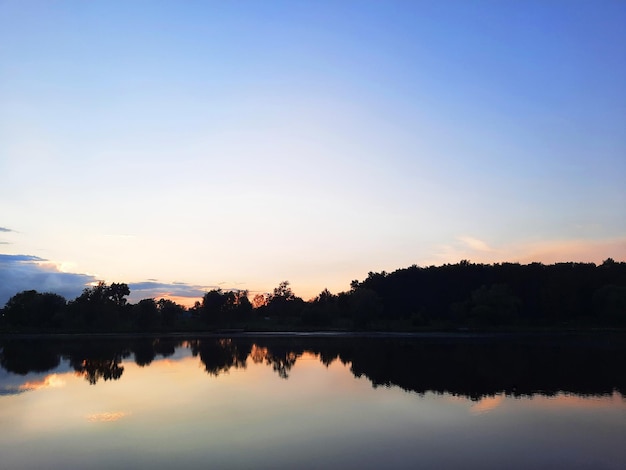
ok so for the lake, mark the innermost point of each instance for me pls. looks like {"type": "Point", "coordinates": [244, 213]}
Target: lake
{"type": "Point", "coordinates": [314, 401]}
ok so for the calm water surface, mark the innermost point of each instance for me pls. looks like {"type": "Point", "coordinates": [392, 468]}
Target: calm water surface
{"type": "Point", "coordinates": [314, 402]}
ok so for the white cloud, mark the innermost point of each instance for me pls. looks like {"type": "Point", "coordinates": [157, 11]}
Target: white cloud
{"type": "Point", "coordinates": [24, 272]}
{"type": "Point", "coordinates": [475, 243]}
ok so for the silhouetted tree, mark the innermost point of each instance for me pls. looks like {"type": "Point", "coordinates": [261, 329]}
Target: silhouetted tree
{"type": "Point", "coordinates": [321, 310]}
{"type": "Point", "coordinates": [542, 295]}
{"type": "Point", "coordinates": [222, 307]}
{"type": "Point", "coordinates": [31, 309]}
{"type": "Point", "coordinates": [215, 306]}
{"type": "Point", "coordinates": [100, 307]}
{"type": "Point", "coordinates": [170, 312]}
{"type": "Point", "coordinates": [283, 302]}
{"type": "Point", "coordinates": [496, 305]}
{"type": "Point", "coordinates": [259, 300]}
{"type": "Point", "coordinates": [610, 304]}
{"type": "Point", "coordinates": [146, 314]}
{"type": "Point", "coordinates": [242, 306]}
{"type": "Point", "coordinates": [117, 292]}
{"type": "Point", "coordinates": [365, 306]}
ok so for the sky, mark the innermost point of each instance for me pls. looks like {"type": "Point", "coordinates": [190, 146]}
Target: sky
{"type": "Point", "coordinates": [180, 146]}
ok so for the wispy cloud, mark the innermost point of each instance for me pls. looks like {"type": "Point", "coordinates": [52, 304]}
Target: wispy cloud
{"type": "Point", "coordinates": [463, 247]}
{"type": "Point", "coordinates": [25, 272]}
{"type": "Point", "coordinates": [5, 230]}
{"type": "Point", "coordinates": [475, 243]}
{"type": "Point", "coordinates": [546, 251]}
{"type": "Point", "coordinates": [553, 251]}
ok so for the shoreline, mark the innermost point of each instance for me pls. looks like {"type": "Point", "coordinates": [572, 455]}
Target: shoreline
{"type": "Point", "coordinates": [316, 334]}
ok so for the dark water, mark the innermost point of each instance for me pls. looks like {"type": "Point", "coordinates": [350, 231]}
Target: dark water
{"type": "Point", "coordinates": [299, 401]}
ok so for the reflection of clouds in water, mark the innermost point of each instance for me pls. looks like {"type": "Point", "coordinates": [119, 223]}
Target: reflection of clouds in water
{"type": "Point", "coordinates": [558, 401]}
{"type": "Point", "coordinates": [564, 400]}
{"type": "Point", "coordinates": [487, 404]}
{"type": "Point", "coordinates": [13, 384]}
{"type": "Point", "coordinates": [7, 390]}
{"type": "Point", "coordinates": [50, 381]}
{"type": "Point", "coordinates": [106, 417]}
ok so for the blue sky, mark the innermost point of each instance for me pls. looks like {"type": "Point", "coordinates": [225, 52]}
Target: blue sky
{"type": "Point", "coordinates": [239, 144]}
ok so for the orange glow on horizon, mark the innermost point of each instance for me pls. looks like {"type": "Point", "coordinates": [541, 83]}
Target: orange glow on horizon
{"type": "Point", "coordinates": [184, 301]}
{"type": "Point", "coordinates": [546, 252]}
{"type": "Point", "coordinates": [584, 251]}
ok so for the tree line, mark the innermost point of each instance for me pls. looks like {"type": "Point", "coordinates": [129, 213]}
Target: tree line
{"type": "Point", "coordinates": [461, 295]}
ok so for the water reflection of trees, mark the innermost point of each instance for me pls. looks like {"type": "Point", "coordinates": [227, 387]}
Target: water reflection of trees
{"type": "Point", "coordinates": [220, 355]}
{"type": "Point", "coordinates": [24, 356]}
{"type": "Point", "coordinates": [477, 368]}
{"type": "Point", "coordinates": [96, 369]}
{"type": "Point", "coordinates": [280, 359]}
{"type": "Point", "coordinates": [93, 359]}
{"type": "Point", "coordinates": [469, 366]}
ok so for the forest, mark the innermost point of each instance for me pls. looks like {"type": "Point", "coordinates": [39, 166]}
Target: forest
{"type": "Point", "coordinates": [462, 296]}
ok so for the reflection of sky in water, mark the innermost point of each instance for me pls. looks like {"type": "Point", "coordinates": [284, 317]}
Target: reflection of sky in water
{"type": "Point", "coordinates": [172, 414]}
{"type": "Point", "coordinates": [11, 384]}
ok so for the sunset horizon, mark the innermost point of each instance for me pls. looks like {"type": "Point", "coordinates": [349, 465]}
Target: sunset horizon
{"type": "Point", "coordinates": [186, 147]}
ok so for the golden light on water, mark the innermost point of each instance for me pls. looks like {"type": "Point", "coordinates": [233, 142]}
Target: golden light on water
{"type": "Point", "coordinates": [258, 354]}
{"type": "Point", "coordinates": [487, 404]}
{"type": "Point", "coordinates": [50, 381]}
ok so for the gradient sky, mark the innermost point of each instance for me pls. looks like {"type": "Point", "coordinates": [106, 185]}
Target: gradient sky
{"type": "Point", "coordinates": [181, 145]}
